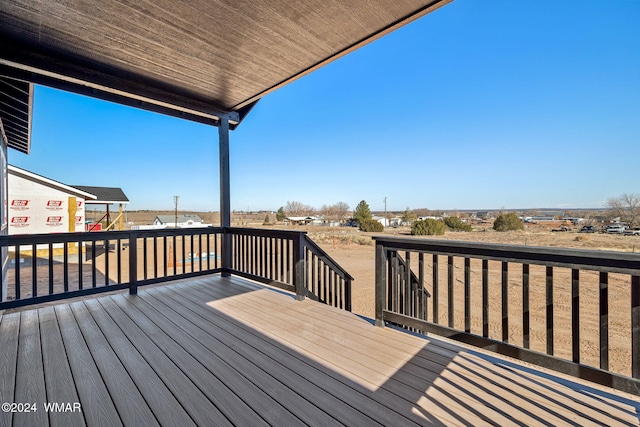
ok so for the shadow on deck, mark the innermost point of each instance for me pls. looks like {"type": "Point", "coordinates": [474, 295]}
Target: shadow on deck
{"type": "Point", "coordinates": [226, 351]}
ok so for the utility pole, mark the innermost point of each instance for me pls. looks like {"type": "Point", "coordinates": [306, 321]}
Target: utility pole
{"type": "Point", "coordinates": [386, 221]}
{"type": "Point", "coordinates": [175, 202]}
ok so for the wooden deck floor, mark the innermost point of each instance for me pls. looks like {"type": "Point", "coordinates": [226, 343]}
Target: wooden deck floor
{"type": "Point", "coordinates": [223, 351]}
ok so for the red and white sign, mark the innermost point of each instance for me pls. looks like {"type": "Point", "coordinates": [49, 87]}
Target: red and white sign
{"type": "Point", "coordinates": [54, 205]}
{"type": "Point", "coordinates": [20, 221]}
{"type": "Point", "coordinates": [54, 221]}
{"type": "Point", "coordinates": [19, 205]}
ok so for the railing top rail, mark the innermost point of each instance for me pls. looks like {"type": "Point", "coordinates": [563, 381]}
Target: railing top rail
{"type": "Point", "coordinates": [265, 232]}
{"type": "Point", "coordinates": [326, 258]}
{"type": "Point", "coordinates": [619, 262]}
{"type": "Point", "coordinates": [26, 239]}
{"type": "Point", "coordinates": [174, 231]}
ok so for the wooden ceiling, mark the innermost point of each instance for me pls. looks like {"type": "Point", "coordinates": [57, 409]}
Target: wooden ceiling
{"type": "Point", "coordinates": [195, 59]}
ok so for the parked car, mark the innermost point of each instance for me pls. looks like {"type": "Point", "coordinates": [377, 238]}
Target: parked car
{"type": "Point", "coordinates": [563, 228]}
{"type": "Point", "coordinates": [615, 229]}
{"type": "Point", "coordinates": [632, 232]}
{"type": "Point", "coordinates": [588, 229]}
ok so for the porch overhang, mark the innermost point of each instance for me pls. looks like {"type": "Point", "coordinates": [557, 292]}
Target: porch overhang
{"type": "Point", "coordinates": [196, 61]}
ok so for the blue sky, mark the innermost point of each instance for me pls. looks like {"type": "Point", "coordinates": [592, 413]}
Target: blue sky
{"type": "Point", "coordinates": [479, 105]}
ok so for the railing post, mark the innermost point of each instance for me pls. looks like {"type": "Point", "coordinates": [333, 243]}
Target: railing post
{"type": "Point", "coordinates": [299, 267]}
{"type": "Point", "coordinates": [133, 263]}
{"type": "Point", "coordinates": [225, 193]}
{"type": "Point", "coordinates": [381, 285]}
{"type": "Point", "coordinates": [225, 248]}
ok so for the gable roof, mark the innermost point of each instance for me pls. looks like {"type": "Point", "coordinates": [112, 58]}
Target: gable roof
{"type": "Point", "coordinates": [105, 195]}
{"type": "Point", "coordinates": [195, 60]}
{"type": "Point", "coordinates": [25, 174]}
{"type": "Point", "coordinates": [182, 218]}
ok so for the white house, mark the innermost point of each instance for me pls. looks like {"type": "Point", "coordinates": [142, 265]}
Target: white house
{"type": "Point", "coordinates": [184, 221]}
{"type": "Point", "coordinates": [303, 220]}
{"type": "Point", "coordinates": [382, 220]}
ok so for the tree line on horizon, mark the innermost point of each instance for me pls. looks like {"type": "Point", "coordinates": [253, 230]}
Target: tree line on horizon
{"type": "Point", "coordinates": [626, 207]}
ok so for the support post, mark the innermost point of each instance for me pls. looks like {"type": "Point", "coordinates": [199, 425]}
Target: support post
{"type": "Point", "coordinates": [133, 263]}
{"type": "Point", "coordinates": [225, 194]}
{"type": "Point", "coordinates": [299, 267]}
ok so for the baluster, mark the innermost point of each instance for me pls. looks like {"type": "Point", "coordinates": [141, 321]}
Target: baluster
{"type": "Point", "coordinates": [34, 271]}
{"type": "Point", "coordinates": [51, 269]}
{"type": "Point", "coordinates": [423, 297]}
{"type": "Point", "coordinates": [604, 320]}
{"type": "Point", "coordinates": [450, 293]}
{"type": "Point", "coordinates": [65, 265]}
{"type": "Point", "coordinates": [467, 295]}
{"type": "Point", "coordinates": [435, 295]}
{"type": "Point", "coordinates": [635, 326]}
{"type": "Point", "coordinates": [505, 301]}
{"type": "Point", "coordinates": [407, 284]}
{"type": "Point", "coordinates": [575, 315]}
{"type": "Point", "coordinates": [526, 338]}
{"type": "Point", "coordinates": [485, 298]}
{"type": "Point", "coordinates": [549, 314]}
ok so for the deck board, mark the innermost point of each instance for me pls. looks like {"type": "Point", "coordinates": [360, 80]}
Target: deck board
{"type": "Point", "coordinates": [97, 407]}
{"type": "Point", "coordinates": [128, 400]}
{"type": "Point", "coordinates": [381, 406]}
{"type": "Point", "coordinates": [192, 399]}
{"type": "Point", "coordinates": [9, 332]}
{"type": "Point", "coordinates": [227, 351]}
{"type": "Point", "coordinates": [236, 393]}
{"type": "Point", "coordinates": [301, 379]}
{"type": "Point", "coordinates": [282, 403]}
{"type": "Point", "coordinates": [30, 387]}
{"type": "Point", "coordinates": [60, 387]}
{"type": "Point", "coordinates": [158, 396]}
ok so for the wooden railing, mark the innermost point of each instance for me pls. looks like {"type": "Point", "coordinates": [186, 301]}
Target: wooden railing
{"type": "Point", "coordinates": [290, 260]}
{"type": "Point", "coordinates": [575, 311]}
{"type": "Point", "coordinates": [47, 267]}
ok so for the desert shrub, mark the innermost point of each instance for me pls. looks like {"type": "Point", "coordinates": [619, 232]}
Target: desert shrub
{"type": "Point", "coordinates": [371, 225]}
{"type": "Point", "coordinates": [428, 227]}
{"type": "Point", "coordinates": [456, 224]}
{"type": "Point", "coordinates": [508, 222]}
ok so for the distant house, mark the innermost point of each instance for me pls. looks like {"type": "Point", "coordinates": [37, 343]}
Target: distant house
{"type": "Point", "coordinates": [382, 220]}
{"type": "Point", "coordinates": [303, 220]}
{"type": "Point", "coordinates": [481, 215]}
{"type": "Point", "coordinates": [422, 218]}
{"type": "Point", "coordinates": [184, 221]}
{"type": "Point", "coordinates": [395, 222]}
